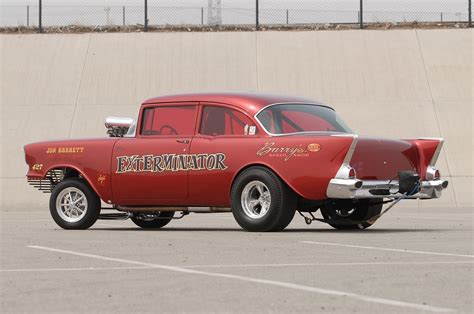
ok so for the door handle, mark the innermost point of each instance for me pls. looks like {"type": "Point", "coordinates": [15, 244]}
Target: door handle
{"type": "Point", "coordinates": [183, 141]}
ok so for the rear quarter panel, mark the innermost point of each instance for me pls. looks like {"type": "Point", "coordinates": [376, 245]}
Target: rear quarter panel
{"type": "Point", "coordinates": [304, 163]}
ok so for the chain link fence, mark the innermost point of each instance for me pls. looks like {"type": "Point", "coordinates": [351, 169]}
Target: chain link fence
{"type": "Point", "coordinates": [148, 14]}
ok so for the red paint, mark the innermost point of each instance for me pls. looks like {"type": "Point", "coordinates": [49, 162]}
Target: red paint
{"type": "Point", "coordinates": [306, 171]}
{"type": "Point", "coordinates": [381, 159]}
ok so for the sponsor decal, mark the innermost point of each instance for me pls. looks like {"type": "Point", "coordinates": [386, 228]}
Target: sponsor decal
{"type": "Point", "coordinates": [271, 150]}
{"type": "Point", "coordinates": [101, 179]}
{"type": "Point", "coordinates": [170, 162]}
{"type": "Point", "coordinates": [37, 167]}
{"type": "Point", "coordinates": [64, 150]}
{"type": "Point", "coordinates": [252, 130]}
{"type": "Point", "coordinates": [314, 147]}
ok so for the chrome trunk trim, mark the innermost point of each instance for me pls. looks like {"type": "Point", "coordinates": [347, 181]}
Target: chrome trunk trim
{"type": "Point", "coordinates": [344, 189]}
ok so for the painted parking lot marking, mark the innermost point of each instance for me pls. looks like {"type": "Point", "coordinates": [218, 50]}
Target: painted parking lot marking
{"type": "Point", "coordinates": [431, 217]}
{"type": "Point", "coordinates": [281, 284]}
{"type": "Point", "coordinates": [386, 249]}
{"type": "Point", "coordinates": [19, 270]}
{"type": "Point", "coordinates": [14, 270]}
{"type": "Point", "coordinates": [330, 264]}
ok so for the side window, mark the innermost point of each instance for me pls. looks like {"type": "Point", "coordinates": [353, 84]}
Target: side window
{"type": "Point", "coordinates": [169, 120]}
{"type": "Point", "coordinates": [225, 121]}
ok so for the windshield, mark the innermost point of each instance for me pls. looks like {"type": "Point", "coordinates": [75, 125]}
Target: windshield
{"type": "Point", "coordinates": [131, 129]}
{"type": "Point", "coordinates": [296, 118]}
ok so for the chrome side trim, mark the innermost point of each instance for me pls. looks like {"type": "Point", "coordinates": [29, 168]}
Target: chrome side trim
{"type": "Point", "coordinates": [435, 157]}
{"type": "Point", "coordinates": [342, 186]}
{"type": "Point", "coordinates": [186, 209]}
{"type": "Point", "coordinates": [343, 172]}
{"type": "Point", "coordinates": [351, 150]}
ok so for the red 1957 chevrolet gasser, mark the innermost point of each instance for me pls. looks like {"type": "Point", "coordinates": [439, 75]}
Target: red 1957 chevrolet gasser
{"type": "Point", "coordinates": [263, 157]}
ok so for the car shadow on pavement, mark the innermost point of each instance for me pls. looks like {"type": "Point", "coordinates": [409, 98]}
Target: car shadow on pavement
{"type": "Point", "coordinates": [299, 230]}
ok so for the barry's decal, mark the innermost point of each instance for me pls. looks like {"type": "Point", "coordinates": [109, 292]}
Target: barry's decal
{"type": "Point", "coordinates": [287, 152]}
{"type": "Point", "coordinates": [170, 162]}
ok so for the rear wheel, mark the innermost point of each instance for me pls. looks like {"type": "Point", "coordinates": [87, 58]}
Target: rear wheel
{"type": "Point", "coordinates": [152, 220]}
{"type": "Point", "coordinates": [261, 201]}
{"type": "Point", "coordinates": [361, 212]}
{"type": "Point", "coordinates": [74, 205]}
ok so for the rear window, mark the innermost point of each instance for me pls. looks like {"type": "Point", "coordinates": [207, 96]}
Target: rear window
{"type": "Point", "coordinates": [296, 118]}
{"type": "Point", "coordinates": [179, 120]}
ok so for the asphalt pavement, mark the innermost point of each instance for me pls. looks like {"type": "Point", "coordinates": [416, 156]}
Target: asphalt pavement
{"type": "Point", "coordinates": [412, 260]}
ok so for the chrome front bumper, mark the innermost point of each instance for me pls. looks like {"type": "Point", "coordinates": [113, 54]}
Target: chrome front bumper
{"type": "Point", "coordinates": [354, 188]}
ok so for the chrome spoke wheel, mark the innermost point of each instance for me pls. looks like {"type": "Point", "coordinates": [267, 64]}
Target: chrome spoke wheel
{"type": "Point", "coordinates": [255, 199]}
{"type": "Point", "coordinates": [71, 204]}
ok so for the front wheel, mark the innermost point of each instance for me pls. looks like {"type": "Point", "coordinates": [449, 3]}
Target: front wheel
{"type": "Point", "coordinates": [261, 201]}
{"type": "Point", "coordinates": [74, 205]}
{"type": "Point", "coordinates": [360, 213]}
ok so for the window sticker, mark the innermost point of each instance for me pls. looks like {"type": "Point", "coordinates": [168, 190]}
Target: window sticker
{"type": "Point", "coordinates": [252, 130]}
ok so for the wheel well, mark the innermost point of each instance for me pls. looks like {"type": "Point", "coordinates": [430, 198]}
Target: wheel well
{"type": "Point", "coordinates": [262, 166]}
{"type": "Point", "coordinates": [59, 174]}
{"type": "Point", "coordinates": [71, 173]}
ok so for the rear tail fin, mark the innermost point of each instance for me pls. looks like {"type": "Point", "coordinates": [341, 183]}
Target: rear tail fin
{"type": "Point", "coordinates": [428, 152]}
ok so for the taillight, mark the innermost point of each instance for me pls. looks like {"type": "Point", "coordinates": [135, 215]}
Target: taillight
{"type": "Point", "coordinates": [352, 173]}
{"type": "Point", "coordinates": [432, 173]}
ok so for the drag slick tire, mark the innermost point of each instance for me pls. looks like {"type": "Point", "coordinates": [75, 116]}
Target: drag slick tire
{"type": "Point", "coordinates": [74, 205]}
{"type": "Point", "coordinates": [363, 211]}
{"type": "Point", "coordinates": [153, 220]}
{"type": "Point", "coordinates": [261, 201]}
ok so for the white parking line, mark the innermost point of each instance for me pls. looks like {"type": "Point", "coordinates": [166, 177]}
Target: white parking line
{"type": "Point", "coordinates": [13, 270]}
{"type": "Point", "coordinates": [70, 269]}
{"type": "Point", "coordinates": [386, 249]}
{"type": "Point", "coordinates": [433, 218]}
{"type": "Point", "coordinates": [281, 284]}
{"type": "Point", "coordinates": [328, 264]}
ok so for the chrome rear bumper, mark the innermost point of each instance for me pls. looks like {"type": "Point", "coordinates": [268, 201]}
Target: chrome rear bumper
{"type": "Point", "coordinates": [354, 188]}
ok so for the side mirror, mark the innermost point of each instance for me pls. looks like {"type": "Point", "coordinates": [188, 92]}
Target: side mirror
{"type": "Point", "coordinates": [118, 127]}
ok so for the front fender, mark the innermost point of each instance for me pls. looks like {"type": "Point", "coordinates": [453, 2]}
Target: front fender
{"type": "Point", "coordinates": [90, 158]}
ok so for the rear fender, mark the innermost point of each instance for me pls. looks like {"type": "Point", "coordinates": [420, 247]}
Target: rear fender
{"type": "Point", "coordinates": [428, 150]}
{"type": "Point", "coordinates": [309, 171]}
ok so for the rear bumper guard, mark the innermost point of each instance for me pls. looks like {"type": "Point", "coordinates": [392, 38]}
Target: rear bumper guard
{"type": "Point", "coordinates": [356, 189]}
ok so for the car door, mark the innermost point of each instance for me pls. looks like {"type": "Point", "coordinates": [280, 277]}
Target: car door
{"type": "Point", "coordinates": [148, 169]}
{"type": "Point", "coordinates": [228, 134]}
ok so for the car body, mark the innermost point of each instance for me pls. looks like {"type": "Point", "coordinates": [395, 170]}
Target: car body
{"type": "Point", "coordinates": [186, 152]}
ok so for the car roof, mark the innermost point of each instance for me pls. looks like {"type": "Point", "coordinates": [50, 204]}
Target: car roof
{"type": "Point", "coordinates": [252, 102]}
